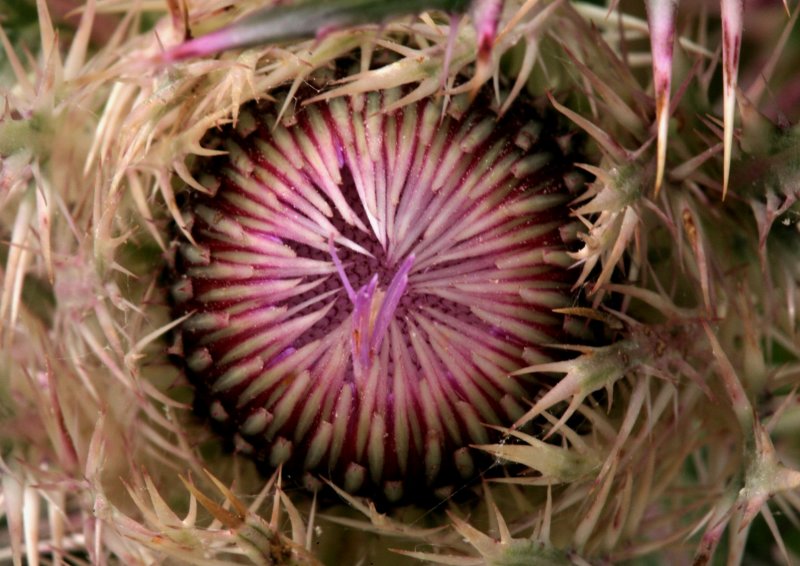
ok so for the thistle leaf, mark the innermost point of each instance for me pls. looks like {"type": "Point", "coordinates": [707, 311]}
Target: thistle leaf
{"type": "Point", "coordinates": [555, 464]}
{"type": "Point", "coordinates": [308, 19]}
{"type": "Point", "coordinates": [595, 369]}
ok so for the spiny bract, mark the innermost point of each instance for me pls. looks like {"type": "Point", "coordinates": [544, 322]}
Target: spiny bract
{"type": "Point", "coordinates": [673, 439]}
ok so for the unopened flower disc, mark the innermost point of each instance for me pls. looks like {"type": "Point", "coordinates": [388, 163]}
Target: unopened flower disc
{"type": "Point", "coordinates": [364, 280]}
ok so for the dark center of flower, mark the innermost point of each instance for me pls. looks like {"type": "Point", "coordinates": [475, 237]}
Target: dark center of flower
{"type": "Point", "coordinates": [364, 282]}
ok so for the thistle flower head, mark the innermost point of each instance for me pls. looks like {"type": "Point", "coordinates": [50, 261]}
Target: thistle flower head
{"type": "Point", "coordinates": [363, 280]}
{"type": "Point", "coordinates": [221, 174]}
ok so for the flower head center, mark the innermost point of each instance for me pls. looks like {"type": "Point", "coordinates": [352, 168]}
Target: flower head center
{"type": "Point", "coordinates": [372, 310]}
{"type": "Point", "coordinates": [367, 281]}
